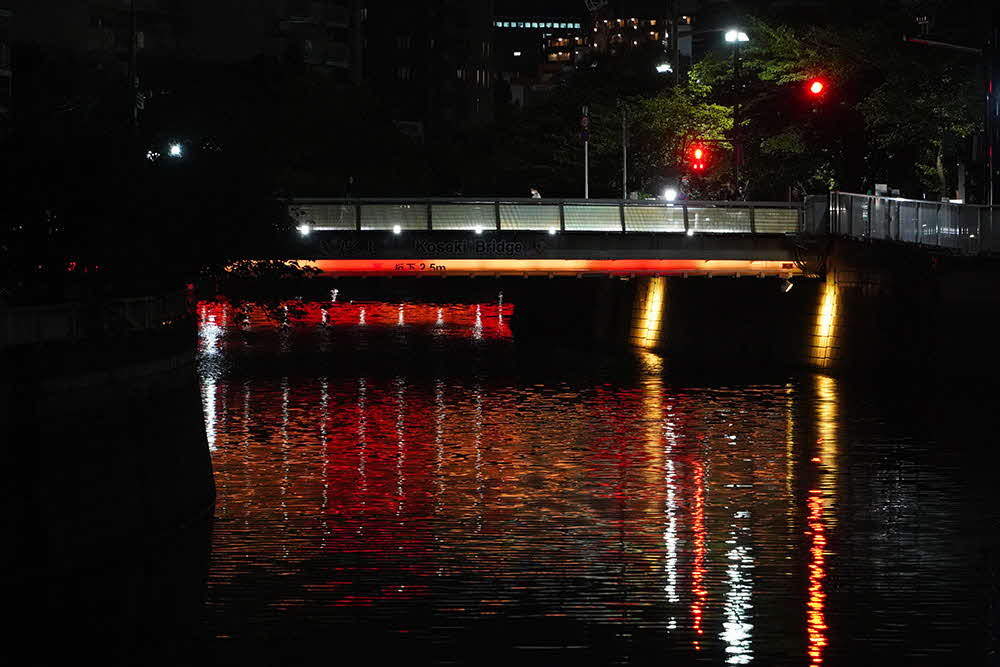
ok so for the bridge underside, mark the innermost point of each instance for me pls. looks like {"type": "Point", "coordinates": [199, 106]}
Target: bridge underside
{"type": "Point", "coordinates": [565, 254]}
{"type": "Point", "coordinates": [552, 267]}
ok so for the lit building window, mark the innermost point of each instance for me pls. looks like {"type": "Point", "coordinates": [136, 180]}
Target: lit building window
{"type": "Point", "coordinates": [517, 54]}
{"type": "Point", "coordinates": [652, 21]}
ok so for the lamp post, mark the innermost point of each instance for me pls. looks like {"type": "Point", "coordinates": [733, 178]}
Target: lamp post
{"type": "Point", "coordinates": [736, 37]}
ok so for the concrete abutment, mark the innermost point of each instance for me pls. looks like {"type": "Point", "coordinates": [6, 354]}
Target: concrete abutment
{"type": "Point", "coordinates": [878, 307]}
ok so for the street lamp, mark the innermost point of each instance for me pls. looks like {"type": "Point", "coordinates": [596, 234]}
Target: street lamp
{"type": "Point", "coordinates": [176, 150]}
{"type": "Point", "coordinates": [670, 194]}
{"type": "Point", "coordinates": [736, 37]}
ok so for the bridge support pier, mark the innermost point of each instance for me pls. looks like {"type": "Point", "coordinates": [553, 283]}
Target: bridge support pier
{"type": "Point", "coordinates": [901, 307]}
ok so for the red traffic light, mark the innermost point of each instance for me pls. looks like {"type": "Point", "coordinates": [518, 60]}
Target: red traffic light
{"type": "Point", "coordinates": [816, 86]}
{"type": "Point", "coordinates": [698, 158]}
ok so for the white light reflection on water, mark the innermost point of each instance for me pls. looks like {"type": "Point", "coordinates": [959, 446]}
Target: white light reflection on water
{"type": "Point", "coordinates": [737, 628]}
{"type": "Point", "coordinates": [477, 328]}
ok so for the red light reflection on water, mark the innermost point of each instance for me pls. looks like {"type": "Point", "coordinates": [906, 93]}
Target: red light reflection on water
{"type": "Point", "coordinates": [475, 320]}
{"type": "Point", "coordinates": [698, 569]}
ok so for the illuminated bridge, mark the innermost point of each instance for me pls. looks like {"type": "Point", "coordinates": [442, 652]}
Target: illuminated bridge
{"type": "Point", "coordinates": [550, 237]}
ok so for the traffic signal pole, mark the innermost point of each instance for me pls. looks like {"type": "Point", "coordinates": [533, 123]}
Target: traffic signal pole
{"type": "Point", "coordinates": [991, 120]}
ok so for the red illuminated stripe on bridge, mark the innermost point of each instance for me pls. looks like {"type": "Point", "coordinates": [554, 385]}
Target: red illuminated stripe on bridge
{"type": "Point", "coordinates": [401, 267]}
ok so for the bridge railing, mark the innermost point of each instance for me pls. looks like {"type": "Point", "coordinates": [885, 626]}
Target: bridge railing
{"type": "Point", "coordinates": [550, 215]}
{"type": "Point", "coordinates": [75, 321]}
{"type": "Point", "coordinates": [964, 228]}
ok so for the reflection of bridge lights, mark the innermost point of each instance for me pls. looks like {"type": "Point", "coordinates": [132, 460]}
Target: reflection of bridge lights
{"type": "Point", "coordinates": [737, 627]}
{"type": "Point", "coordinates": [698, 568]}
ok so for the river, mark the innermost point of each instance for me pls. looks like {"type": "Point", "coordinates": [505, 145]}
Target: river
{"type": "Point", "coordinates": [403, 480]}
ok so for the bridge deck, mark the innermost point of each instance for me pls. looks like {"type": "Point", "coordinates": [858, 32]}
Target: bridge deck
{"type": "Point", "coordinates": [548, 237]}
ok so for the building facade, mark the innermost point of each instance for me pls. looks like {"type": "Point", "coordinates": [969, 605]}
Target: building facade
{"type": "Point", "coordinates": [324, 34]}
{"type": "Point", "coordinates": [432, 60]}
{"type": "Point", "coordinates": [534, 53]}
{"type": "Point", "coordinates": [6, 70]}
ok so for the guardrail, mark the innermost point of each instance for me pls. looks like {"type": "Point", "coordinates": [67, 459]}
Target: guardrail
{"type": "Point", "coordinates": [69, 322]}
{"type": "Point", "coordinates": [965, 228]}
{"type": "Point", "coordinates": [549, 215]}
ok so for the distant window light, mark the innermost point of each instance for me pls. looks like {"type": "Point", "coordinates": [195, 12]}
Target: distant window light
{"type": "Point", "coordinates": [517, 54]}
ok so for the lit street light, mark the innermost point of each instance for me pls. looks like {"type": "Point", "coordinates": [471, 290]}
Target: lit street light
{"type": "Point", "coordinates": [736, 37]}
{"type": "Point", "coordinates": [664, 68]}
{"type": "Point", "coordinates": [176, 150]}
{"type": "Point", "coordinates": [670, 194]}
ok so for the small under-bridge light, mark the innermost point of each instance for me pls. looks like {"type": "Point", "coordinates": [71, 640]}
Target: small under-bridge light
{"type": "Point", "coordinates": [304, 229]}
{"type": "Point", "coordinates": [690, 232]}
{"type": "Point", "coordinates": [396, 229]}
{"type": "Point", "coordinates": [552, 231]}
{"type": "Point", "coordinates": [479, 230]}
{"type": "Point", "coordinates": [786, 285]}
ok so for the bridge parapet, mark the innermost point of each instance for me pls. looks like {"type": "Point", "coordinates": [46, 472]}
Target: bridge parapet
{"type": "Point", "coordinates": [964, 228]}
{"type": "Point", "coordinates": [549, 215]}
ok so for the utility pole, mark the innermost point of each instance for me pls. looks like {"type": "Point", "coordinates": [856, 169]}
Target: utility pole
{"type": "Point", "coordinates": [992, 109]}
{"type": "Point", "coordinates": [585, 135]}
{"type": "Point", "coordinates": [624, 152]}
{"type": "Point", "coordinates": [675, 38]}
{"type": "Point", "coordinates": [133, 70]}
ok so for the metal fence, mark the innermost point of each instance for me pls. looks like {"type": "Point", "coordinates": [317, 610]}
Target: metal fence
{"type": "Point", "coordinates": [76, 321]}
{"type": "Point", "coordinates": [961, 227]}
{"type": "Point", "coordinates": [549, 215]}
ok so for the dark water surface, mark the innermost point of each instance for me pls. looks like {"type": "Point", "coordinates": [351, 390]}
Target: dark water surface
{"type": "Point", "coordinates": [404, 480]}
